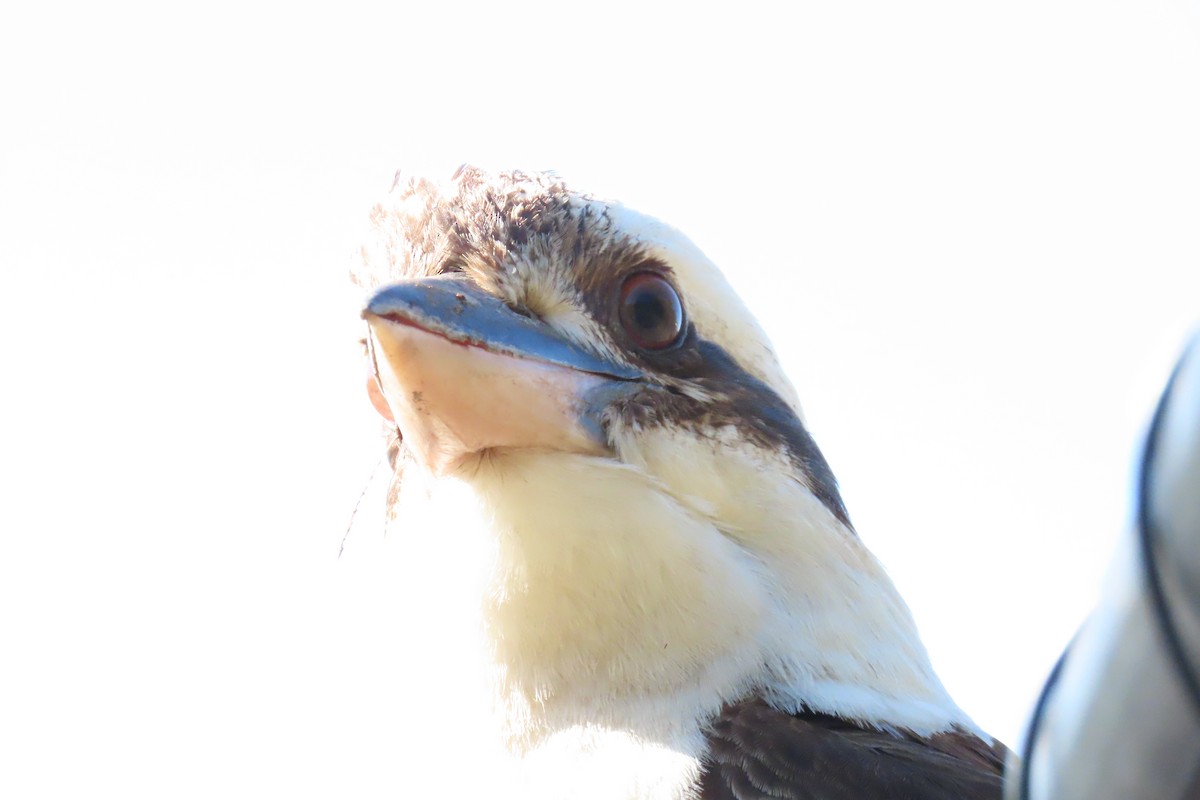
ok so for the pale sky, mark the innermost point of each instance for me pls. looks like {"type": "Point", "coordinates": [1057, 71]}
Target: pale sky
{"type": "Point", "coordinates": [970, 228]}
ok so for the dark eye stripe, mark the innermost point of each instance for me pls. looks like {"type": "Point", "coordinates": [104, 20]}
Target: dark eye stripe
{"type": "Point", "coordinates": [740, 400]}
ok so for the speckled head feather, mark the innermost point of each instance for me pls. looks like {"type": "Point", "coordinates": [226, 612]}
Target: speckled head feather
{"type": "Point", "coordinates": [530, 239]}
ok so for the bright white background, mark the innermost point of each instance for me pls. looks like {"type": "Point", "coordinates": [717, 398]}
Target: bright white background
{"type": "Point", "coordinates": [971, 228]}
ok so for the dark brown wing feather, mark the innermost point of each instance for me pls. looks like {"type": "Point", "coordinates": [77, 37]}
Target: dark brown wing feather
{"type": "Point", "coordinates": [759, 753]}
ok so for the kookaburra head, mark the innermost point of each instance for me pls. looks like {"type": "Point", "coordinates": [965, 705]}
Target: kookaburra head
{"type": "Point", "coordinates": [670, 569]}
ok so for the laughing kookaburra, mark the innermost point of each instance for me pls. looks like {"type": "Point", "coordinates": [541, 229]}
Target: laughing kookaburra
{"type": "Point", "coordinates": [667, 597]}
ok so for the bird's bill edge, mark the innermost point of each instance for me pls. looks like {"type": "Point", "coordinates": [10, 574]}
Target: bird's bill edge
{"type": "Point", "coordinates": [459, 372]}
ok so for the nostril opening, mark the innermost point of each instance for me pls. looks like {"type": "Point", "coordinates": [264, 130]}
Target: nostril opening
{"type": "Point", "coordinates": [523, 311]}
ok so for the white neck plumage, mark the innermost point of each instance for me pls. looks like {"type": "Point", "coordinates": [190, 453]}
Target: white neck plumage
{"type": "Point", "coordinates": [629, 596]}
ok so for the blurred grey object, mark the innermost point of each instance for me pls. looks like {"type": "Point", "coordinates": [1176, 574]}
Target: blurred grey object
{"type": "Point", "coordinates": [1120, 715]}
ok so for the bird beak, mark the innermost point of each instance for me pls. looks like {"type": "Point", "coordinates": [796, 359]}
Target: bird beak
{"type": "Point", "coordinates": [461, 372]}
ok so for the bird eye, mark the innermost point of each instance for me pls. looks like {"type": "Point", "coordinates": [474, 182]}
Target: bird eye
{"type": "Point", "coordinates": [650, 311]}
